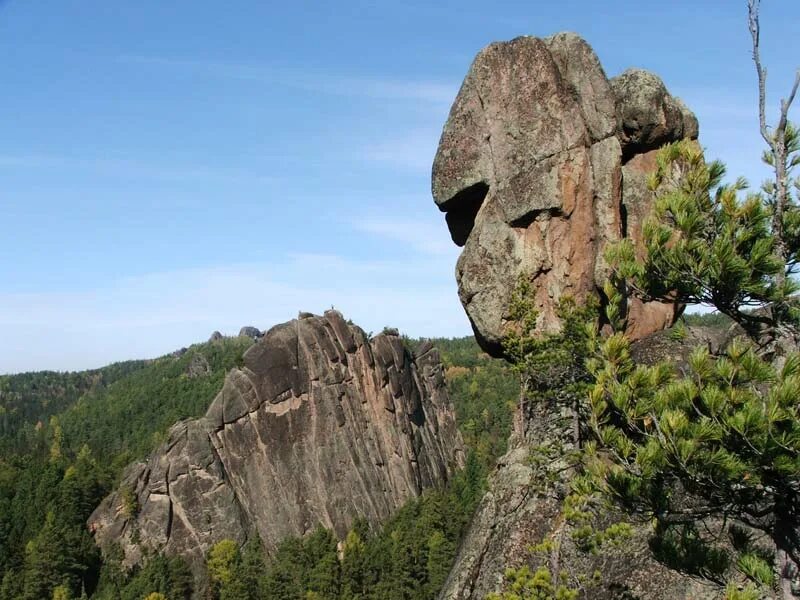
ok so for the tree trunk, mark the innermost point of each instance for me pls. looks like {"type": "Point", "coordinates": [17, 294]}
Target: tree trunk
{"type": "Point", "coordinates": [786, 536]}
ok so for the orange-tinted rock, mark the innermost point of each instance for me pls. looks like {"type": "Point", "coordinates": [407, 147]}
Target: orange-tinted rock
{"type": "Point", "coordinates": [532, 173]}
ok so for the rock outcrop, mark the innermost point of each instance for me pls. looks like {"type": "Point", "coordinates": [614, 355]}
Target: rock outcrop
{"type": "Point", "coordinates": [251, 332]}
{"type": "Point", "coordinates": [524, 506]}
{"type": "Point", "coordinates": [319, 426]}
{"type": "Point", "coordinates": [540, 166]}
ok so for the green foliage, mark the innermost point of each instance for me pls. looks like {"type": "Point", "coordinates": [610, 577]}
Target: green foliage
{"type": "Point", "coordinates": [549, 362]}
{"type": "Point", "coordinates": [714, 320]}
{"type": "Point", "coordinates": [757, 569]}
{"type": "Point", "coordinates": [722, 441]}
{"type": "Point", "coordinates": [28, 400]}
{"type": "Point", "coordinates": [732, 592]}
{"type": "Point", "coordinates": [62, 592]}
{"type": "Point", "coordinates": [406, 559]}
{"type": "Point", "coordinates": [50, 480]}
{"type": "Point", "coordinates": [222, 558]}
{"type": "Point", "coordinates": [522, 584]}
{"type": "Point", "coordinates": [705, 244]}
{"type": "Point", "coordinates": [728, 432]}
{"type": "Point", "coordinates": [169, 577]}
{"type": "Point", "coordinates": [681, 547]}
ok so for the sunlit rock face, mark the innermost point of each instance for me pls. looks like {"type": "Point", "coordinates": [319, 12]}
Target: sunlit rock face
{"type": "Point", "coordinates": [320, 425]}
{"type": "Point", "coordinates": [542, 163]}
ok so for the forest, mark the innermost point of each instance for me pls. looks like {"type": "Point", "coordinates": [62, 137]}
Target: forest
{"type": "Point", "coordinates": [67, 437]}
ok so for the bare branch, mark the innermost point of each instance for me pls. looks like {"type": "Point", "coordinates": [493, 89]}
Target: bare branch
{"type": "Point", "coordinates": [785, 104]}
{"type": "Point", "coordinates": [752, 9]}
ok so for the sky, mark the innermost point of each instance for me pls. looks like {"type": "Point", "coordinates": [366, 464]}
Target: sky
{"type": "Point", "coordinates": [168, 169]}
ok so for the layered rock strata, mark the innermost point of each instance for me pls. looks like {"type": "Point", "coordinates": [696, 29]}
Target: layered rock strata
{"type": "Point", "coordinates": [320, 425]}
{"type": "Point", "coordinates": [540, 166]}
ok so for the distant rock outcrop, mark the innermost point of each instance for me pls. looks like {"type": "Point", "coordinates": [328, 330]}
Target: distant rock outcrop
{"type": "Point", "coordinates": [540, 166]}
{"type": "Point", "coordinates": [319, 426]}
{"type": "Point", "coordinates": [198, 366]}
{"type": "Point", "coordinates": [251, 332]}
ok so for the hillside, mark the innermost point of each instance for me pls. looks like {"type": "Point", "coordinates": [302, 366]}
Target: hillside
{"type": "Point", "coordinates": [79, 431]}
{"type": "Point", "coordinates": [60, 470]}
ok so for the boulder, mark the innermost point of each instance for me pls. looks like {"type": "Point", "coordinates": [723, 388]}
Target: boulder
{"type": "Point", "coordinates": [532, 175]}
{"type": "Point", "coordinates": [251, 332]}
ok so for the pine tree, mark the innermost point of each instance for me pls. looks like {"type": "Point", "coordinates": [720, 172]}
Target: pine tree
{"type": "Point", "coordinates": [223, 560]}
{"type": "Point", "coordinates": [721, 443]}
{"type": "Point", "coordinates": [704, 244]}
{"type": "Point", "coordinates": [354, 564]}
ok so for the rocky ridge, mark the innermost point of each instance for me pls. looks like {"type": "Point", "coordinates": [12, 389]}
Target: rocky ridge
{"type": "Point", "coordinates": [542, 163]}
{"type": "Point", "coordinates": [320, 425]}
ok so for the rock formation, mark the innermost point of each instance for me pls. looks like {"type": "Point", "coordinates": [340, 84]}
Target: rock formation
{"type": "Point", "coordinates": [319, 426]}
{"type": "Point", "coordinates": [540, 166]}
{"type": "Point", "coordinates": [251, 332]}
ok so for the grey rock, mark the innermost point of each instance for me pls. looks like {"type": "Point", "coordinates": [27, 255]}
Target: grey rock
{"type": "Point", "coordinates": [251, 332]}
{"type": "Point", "coordinates": [215, 336]}
{"type": "Point", "coordinates": [529, 173]}
{"type": "Point", "coordinates": [319, 426]}
{"type": "Point", "coordinates": [198, 366]}
{"type": "Point", "coordinates": [649, 116]}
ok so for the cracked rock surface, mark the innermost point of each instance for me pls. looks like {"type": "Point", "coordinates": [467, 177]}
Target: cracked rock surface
{"type": "Point", "coordinates": [320, 425]}
{"type": "Point", "coordinates": [540, 166]}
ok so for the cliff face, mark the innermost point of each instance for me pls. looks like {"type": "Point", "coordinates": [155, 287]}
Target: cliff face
{"type": "Point", "coordinates": [540, 166]}
{"type": "Point", "coordinates": [320, 425]}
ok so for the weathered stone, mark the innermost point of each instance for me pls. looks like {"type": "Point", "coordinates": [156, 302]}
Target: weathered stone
{"type": "Point", "coordinates": [529, 172]}
{"type": "Point", "coordinates": [298, 436]}
{"type": "Point", "coordinates": [649, 116]}
{"type": "Point", "coordinates": [251, 332]}
{"type": "Point", "coordinates": [198, 365]}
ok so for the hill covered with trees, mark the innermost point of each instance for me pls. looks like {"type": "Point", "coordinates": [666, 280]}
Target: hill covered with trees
{"type": "Point", "coordinates": [74, 432]}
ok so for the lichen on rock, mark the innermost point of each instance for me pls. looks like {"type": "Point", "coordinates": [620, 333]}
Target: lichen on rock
{"type": "Point", "coordinates": [539, 169]}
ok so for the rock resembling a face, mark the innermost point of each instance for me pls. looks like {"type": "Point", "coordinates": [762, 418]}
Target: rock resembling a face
{"type": "Point", "coordinates": [530, 172]}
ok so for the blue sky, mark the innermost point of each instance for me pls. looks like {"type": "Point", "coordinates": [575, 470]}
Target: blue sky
{"type": "Point", "coordinates": [172, 168]}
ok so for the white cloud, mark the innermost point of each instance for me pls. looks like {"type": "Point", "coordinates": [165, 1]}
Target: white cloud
{"type": "Point", "coordinates": [315, 81]}
{"type": "Point", "coordinates": [149, 315]}
{"type": "Point", "coordinates": [124, 167]}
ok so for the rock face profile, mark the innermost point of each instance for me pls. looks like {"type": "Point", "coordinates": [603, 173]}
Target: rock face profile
{"type": "Point", "coordinates": [542, 163]}
{"type": "Point", "coordinates": [320, 425]}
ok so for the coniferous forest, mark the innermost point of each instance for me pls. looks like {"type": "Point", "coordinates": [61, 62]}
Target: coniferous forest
{"type": "Point", "coordinates": [67, 436]}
